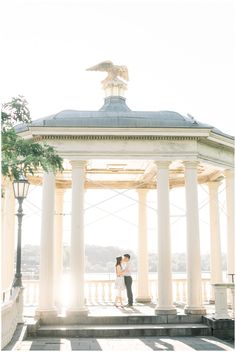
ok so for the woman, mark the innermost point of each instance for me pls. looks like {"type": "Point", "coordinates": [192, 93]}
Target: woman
{"type": "Point", "coordinates": [120, 282]}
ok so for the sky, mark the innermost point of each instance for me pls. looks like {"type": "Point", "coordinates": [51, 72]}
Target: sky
{"type": "Point", "coordinates": [180, 56]}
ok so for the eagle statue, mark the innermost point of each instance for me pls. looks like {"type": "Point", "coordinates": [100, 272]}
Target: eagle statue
{"type": "Point", "coordinates": [114, 71]}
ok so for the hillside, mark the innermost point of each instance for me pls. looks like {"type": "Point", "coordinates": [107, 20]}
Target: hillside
{"type": "Point", "coordinates": [102, 259]}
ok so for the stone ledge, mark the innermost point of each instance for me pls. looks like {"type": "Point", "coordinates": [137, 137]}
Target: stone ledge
{"type": "Point", "coordinates": [116, 320]}
{"type": "Point", "coordinates": [221, 328]}
{"type": "Point", "coordinates": [159, 311]}
{"type": "Point", "coordinates": [133, 330]}
{"type": "Point", "coordinates": [32, 327]}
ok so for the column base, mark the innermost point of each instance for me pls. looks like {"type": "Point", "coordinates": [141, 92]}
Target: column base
{"type": "Point", "coordinates": [77, 312]}
{"type": "Point", "coordinates": [222, 316]}
{"type": "Point", "coordinates": [46, 315]}
{"type": "Point", "coordinates": [211, 301]}
{"type": "Point", "coordinates": [195, 310]}
{"type": "Point", "coordinates": [143, 299]}
{"type": "Point", "coordinates": [165, 311]}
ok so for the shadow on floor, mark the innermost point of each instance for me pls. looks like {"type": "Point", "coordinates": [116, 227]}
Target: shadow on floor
{"type": "Point", "coordinates": [181, 343]}
{"type": "Point", "coordinates": [19, 335]}
{"type": "Point", "coordinates": [127, 344]}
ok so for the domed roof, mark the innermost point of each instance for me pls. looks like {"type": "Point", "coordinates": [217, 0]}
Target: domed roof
{"type": "Point", "coordinates": [116, 114]}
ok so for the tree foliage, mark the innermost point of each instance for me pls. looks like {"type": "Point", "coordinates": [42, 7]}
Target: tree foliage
{"type": "Point", "coordinates": [21, 157]}
{"type": "Point", "coordinates": [101, 259]}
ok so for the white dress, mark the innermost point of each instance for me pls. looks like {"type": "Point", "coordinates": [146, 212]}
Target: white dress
{"type": "Point", "coordinates": [119, 284]}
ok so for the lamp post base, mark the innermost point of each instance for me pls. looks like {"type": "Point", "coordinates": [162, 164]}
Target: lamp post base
{"type": "Point", "coordinates": [17, 282]}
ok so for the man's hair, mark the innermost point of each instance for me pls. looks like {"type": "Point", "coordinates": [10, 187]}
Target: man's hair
{"type": "Point", "coordinates": [127, 256]}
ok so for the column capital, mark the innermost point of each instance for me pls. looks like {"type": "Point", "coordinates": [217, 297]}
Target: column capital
{"type": "Point", "coordinates": [191, 164]}
{"type": "Point", "coordinates": [229, 173]}
{"type": "Point", "coordinates": [162, 164]}
{"type": "Point", "coordinates": [214, 184]}
{"type": "Point", "coordinates": [78, 163]}
{"type": "Point", "coordinates": [142, 190]}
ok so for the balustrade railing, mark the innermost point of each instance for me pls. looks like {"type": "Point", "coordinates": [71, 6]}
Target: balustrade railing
{"type": "Point", "coordinates": [96, 292]}
{"type": "Point", "coordinates": [99, 291]}
{"type": "Point", "coordinates": [6, 295]}
{"type": "Point", "coordinates": [12, 309]}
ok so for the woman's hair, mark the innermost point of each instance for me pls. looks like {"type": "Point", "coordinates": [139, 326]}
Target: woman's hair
{"type": "Point", "coordinates": [118, 260]}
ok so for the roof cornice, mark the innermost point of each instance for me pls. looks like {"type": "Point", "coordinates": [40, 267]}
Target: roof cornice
{"type": "Point", "coordinates": [170, 133]}
{"type": "Point", "coordinates": [113, 137]}
{"type": "Point", "coordinates": [218, 138]}
{"type": "Point", "coordinates": [78, 131]}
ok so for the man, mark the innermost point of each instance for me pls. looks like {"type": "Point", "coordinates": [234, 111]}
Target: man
{"type": "Point", "coordinates": [128, 279]}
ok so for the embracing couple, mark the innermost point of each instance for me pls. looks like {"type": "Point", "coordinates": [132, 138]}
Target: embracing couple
{"type": "Point", "coordinates": [123, 280]}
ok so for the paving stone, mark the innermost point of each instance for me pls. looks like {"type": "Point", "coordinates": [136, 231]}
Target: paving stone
{"type": "Point", "coordinates": [131, 344]}
{"type": "Point", "coordinates": [129, 317]}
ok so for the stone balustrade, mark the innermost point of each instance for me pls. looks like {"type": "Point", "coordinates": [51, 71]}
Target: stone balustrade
{"type": "Point", "coordinates": [99, 291]}
{"type": "Point", "coordinates": [102, 292]}
{"type": "Point", "coordinates": [12, 309]}
{"type": "Point", "coordinates": [6, 295]}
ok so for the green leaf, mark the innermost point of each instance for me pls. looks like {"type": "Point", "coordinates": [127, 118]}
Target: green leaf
{"type": "Point", "coordinates": [20, 155]}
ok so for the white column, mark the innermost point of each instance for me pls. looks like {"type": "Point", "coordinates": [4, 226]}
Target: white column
{"type": "Point", "coordinates": [229, 180]}
{"type": "Point", "coordinates": [216, 272]}
{"type": "Point", "coordinates": [8, 236]}
{"type": "Point", "coordinates": [143, 277]}
{"type": "Point", "coordinates": [77, 303]}
{"type": "Point", "coordinates": [46, 287]}
{"type": "Point", "coordinates": [165, 300]}
{"type": "Point", "coordinates": [58, 245]}
{"type": "Point", "coordinates": [194, 280]}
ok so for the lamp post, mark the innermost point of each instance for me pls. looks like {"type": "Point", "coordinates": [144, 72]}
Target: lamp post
{"type": "Point", "coordinates": [20, 188]}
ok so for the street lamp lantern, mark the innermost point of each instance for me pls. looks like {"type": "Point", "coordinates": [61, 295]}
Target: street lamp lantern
{"type": "Point", "coordinates": [20, 188]}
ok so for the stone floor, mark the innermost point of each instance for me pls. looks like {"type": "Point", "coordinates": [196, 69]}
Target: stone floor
{"type": "Point", "coordinates": [113, 344]}
{"type": "Point", "coordinates": [108, 309]}
{"type": "Point", "coordinates": [126, 344]}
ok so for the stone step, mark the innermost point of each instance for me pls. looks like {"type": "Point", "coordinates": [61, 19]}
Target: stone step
{"type": "Point", "coordinates": [124, 320]}
{"type": "Point", "coordinates": [131, 330]}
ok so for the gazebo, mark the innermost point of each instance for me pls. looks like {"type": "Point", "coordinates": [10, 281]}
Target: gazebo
{"type": "Point", "coordinates": [116, 147]}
